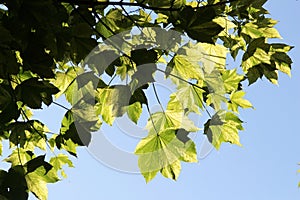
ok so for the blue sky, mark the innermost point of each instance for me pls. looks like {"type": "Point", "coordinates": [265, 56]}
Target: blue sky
{"type": "Point", "coordinates": [264, 168]}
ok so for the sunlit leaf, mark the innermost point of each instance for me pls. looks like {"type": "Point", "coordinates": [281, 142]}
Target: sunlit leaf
{"type": "Point", "coordinates": [223, 127]}
{"type": "Point", "coordinates": [163, 152]}
{"type": "Point", "coordinates": [237, 100]}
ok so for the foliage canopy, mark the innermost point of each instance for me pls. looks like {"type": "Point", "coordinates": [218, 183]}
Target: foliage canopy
{"type": "Point", "coordinates": [43, 48]}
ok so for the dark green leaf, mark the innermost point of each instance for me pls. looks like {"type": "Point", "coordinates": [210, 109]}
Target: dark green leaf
{"type": "Point", "coordinates": [37, 162]}
{"type": "Point", "coordinates": [198, 24]}
{"type": "Point", "coordinates": [41, 91]}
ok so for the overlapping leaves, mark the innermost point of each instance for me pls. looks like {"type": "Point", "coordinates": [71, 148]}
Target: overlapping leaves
{"type": "Point", "coordinates": [223, 127]}
{"type": "Point", "coordinates": [43, 45]}
{"type": "Point", "coordinates": [161, 150]}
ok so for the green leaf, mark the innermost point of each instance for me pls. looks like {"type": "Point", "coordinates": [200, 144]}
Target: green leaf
{"type": "Point", "coordinates": [199, 24]}
{"type": "Point", "coordinates": [143, 76]}
{"type": "Point", "coordinates": [58, 162]}
{"type": "Point", "coordinates": [188, 96]}
{"type": "Point", "coordinates": [41, 91]}
{"type": "Point", "coordinates": [142, 19]}
{"type": "Point", "coordinates": [283, 63]}
{"type": "Point", "coordinates": [48, 177]}
{"type": "Point", "coordinates": [144, 56]}
{"type": "Point", "coordinates": [270, 72]}
{"type": "Point", "coordinates": [215, 89]}
{"type": "Point", "coordinates": [259, 57]}
{"type": "Point", "coordinates": [43, 52]}
{"type": "Point", "coordinates": [112, 102]}
{"type": "Point", "coordinates": [70, 147]}
{"type": "Point", "coordinates": [5, 35]}
{"type": "Point", "coordinates": [170, 119]}
{"type": "Point", "coordinates": [18, 135]}
{"type": "Point", "coordinates": [215, 100]}
{"type": "Point", "coordinates": [279, 47]}
{"type": "Point", "coordinates": [28, 135]}
{"type": "Point", "coordinates": [78, 124]}
{"type": "Point", "coordinates": [254, 31]}
{"type": "Point", "coordinates": [134, 111]}
{"type": "Point", "coordinates": [231, 80]}
{"type": "Point", "coordinates": [234, 43]}
{"type": "Point", "coordinates": [105, 59]}
{"type": "Point", "coordinates": [82, 88]}
{"type": "Point", "coordinates": [5, 97]}
{"type": "Point", "coordinates": [125, 67]}
{"type": "Point", "coordinates": [37, 162]}
{"type": "Point", "coordinates": [182, 135]}
{"type": "Point", "coordinates": [82, 41]}
{"type": "Point", "coordinates": [178, 66]}
{"type": "Point", "coordinates": [8, 61]}
{"type": "Point", "coordinates": [172, 171]}
{"type": "Point", "coordinates": [190, 153]}
{"type": "Point", "coordinates": [163, 152]}
{"type": "Point", "coordinates": [64, 79]}
{"type": "Point", "coordinates": [114, 22]}
{"type": "Point", "coordinates": [81, 47]}
{"type": "Point", "coordinates": [19, 157]}
{"type": "Point", "coordinates": [36, 137]}
{"type": "Point", "coordinates": [225, 23]}
{"type": "Point", "coordinates": [139, 96]}
{"type": "Point", "coordinates": [8, 107]}
{"type": "Point", "coordinates": [236, 100]}
{"type": "Point", "coordinates": [15, 186]}
{"type": "Point", "coordinates": [253, 74]}
{"type": "Point", "coordinates": [161, 18]}
{"type": "Point", "coordinates": [37, 60]}
{"type": "Point", "coordinates": [37, 186]}
{"type": "Point", "coordinates": [223, 127]}
{"type": "Point", "coordinates": [215, 54]}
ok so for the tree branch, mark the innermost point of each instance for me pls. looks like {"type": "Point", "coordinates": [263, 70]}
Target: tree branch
{"type": "Point", "coordinates": [118, 3]}
{"type": "Point", "coordinates": [135, 4]}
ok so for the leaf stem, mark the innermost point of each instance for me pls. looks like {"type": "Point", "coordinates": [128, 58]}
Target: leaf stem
{"type": "Point", "coordinates": [150, 114]}
{"type": "Point", "coordinates": [60, 105]}
{"type": "Point", "coordinates": [19, 157]}
{"type": "Point", "coordinates": [157, 98]}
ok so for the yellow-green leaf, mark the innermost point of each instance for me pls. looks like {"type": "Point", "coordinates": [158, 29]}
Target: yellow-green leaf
{"type": "Point", "coordinates": [237, 100]}
{"type": "Point", "coordinates": [163, 152]}
{"type": "Point", "coordinates": [223, 127]}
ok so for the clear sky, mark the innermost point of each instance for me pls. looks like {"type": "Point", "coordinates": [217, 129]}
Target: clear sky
{"type": "Point", "coordinates": [264, 168]}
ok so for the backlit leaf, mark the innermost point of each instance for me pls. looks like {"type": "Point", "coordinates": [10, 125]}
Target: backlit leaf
{"type": "Point", "coordinates": [223, 127]}
{"type": "Point", "coordinates": [237, 100]}
{"type": "Point", "coordinates": [163, 152]}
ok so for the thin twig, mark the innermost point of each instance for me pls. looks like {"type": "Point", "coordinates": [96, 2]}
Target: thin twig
{"type": "Point", "coordinates": [150, 114]}
{"type": "Point", "coordinates": [19, 157]}
{"type": "Point", "coordinates": [60, 105]}
{"type": "Point", "coordinates": [157, 98]}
